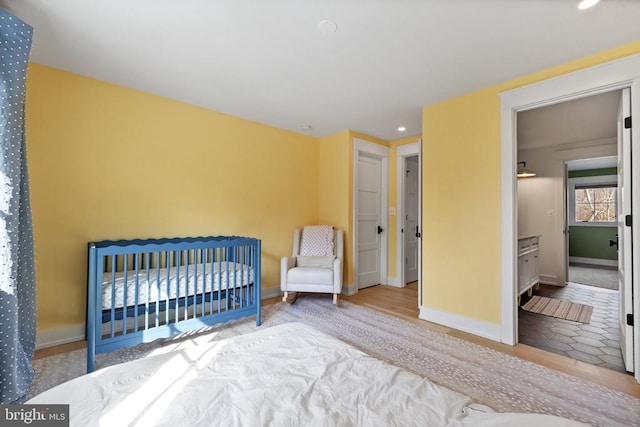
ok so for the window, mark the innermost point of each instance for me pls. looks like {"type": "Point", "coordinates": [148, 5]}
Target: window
{"type": "Point", "coordinates": [595, 204]}
{"type": "Point", "coordinates": [593, 200]}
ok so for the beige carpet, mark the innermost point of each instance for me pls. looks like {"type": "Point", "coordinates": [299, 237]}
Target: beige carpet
{"type": "Point", "coordinates": [599, 277]}
{"type": "Point", "coordinates": [559, 308]}
{"type": "Point", "coordinates": [501, 381]}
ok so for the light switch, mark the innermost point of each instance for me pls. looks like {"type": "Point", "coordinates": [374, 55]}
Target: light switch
{"type": "Point", "coordinates": [392, 211]}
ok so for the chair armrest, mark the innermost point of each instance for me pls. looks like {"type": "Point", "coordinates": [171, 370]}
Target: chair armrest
{"type": "Point", "coordinates": [286, 263]}
{"type": "Point", "coordinates": [337, 275]}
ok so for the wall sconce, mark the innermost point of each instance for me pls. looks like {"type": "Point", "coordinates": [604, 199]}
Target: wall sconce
{"type": "Point", "coordinates": [524, 172]}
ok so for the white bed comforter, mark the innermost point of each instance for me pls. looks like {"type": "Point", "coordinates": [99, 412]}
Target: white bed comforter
{"type": "Point", "coordinates": [190, 280]}
{"type": "Point", "coordinates": [287, 375]}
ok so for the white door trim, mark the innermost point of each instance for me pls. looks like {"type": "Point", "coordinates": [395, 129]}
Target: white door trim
{"type": "Point", "coordinates": [609, 76]}
{"type": "Point", "coordinates": [402, 152]}
{"type": "Point", "coordinates": [381, 152]}
{"type": "Point", "coordinates": [625, 247]}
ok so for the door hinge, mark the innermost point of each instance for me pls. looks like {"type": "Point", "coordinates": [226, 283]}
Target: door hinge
{"type": "Point", "coordinates": [627, 122]}
{"type": "Point", "coordinates": [630, 319]}
{"type": "Point", "coordinates": [627, 220]}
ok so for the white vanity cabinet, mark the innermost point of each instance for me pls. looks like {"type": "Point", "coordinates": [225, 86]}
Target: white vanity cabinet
{"type": "Point", "coordinates": [528, 268]}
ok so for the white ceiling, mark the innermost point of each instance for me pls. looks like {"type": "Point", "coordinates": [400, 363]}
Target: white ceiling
{"type": "Point", "coordinates": [266, 61]}
{"type": "Point", "coordinates": [593, 118]}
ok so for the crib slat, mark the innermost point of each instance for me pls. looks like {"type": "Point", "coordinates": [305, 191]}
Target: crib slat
{"type": "Point", "coordinates": [167, 300]}
{"type": "Point", "coordinates": [218, 281]}
{"type": "Point", "coordinates": [136, 289]}
{"type": "Point", "coordinates": [114, 264]}
{"type": "Point", "coordinates": [125, 300]}
{"type": "Point", "coordinates": [148, 288]}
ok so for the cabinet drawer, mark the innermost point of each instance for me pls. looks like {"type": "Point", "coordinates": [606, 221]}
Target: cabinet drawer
{"type": "Point", "coordinates": [527, 245]}
{"type": "Point", "coordinates": [523, 246]}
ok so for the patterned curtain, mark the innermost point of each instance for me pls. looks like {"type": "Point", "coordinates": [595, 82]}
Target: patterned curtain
{"type": "Point", "coordinates": [17, 275]}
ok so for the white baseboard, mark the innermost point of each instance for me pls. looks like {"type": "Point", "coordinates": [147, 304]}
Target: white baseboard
{"type": "Point", "coordinates": [465, 324]}
{"type": "Point", "coordinates": [547, 279]}
{"type": "Point", "coordinates": [394, 281]}
{"type": "Point", "coordinates": [59, 336]}
{"type": "Point", "coordinates": [349, 290]}
{"type": "Point", "coordinates": [594, 261]}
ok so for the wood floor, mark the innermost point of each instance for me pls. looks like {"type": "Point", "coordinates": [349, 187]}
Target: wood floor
{"type": "Point", "coordinates": [403, 303]}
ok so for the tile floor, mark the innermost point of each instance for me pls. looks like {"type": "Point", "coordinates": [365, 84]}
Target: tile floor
{"type": "Point", "coordinates": [596, 343]}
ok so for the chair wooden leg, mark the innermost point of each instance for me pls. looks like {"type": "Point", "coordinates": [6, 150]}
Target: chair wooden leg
{"type": "Point", "coordinates": [290, 299]}
{"type": "Point", "coordinates": [335, 299]}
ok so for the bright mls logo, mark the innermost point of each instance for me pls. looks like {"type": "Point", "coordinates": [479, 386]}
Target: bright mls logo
{"type": "Point", "coordinates": [34, 415]}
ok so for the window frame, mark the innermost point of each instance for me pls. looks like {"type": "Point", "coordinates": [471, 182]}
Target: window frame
{"type": "Point", "coordinates": [596, 181]}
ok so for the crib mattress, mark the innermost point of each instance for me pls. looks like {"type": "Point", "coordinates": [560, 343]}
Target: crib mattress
{"type": "Point", "coordinates": [162, 284]}
{"type": "Point", "coordinates": [287, 375]}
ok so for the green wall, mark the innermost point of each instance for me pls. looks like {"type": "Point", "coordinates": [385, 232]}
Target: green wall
{"type": "Point", "coordinates": [592, 242]}
{"type": "Point", "coordinates": [593, 172]}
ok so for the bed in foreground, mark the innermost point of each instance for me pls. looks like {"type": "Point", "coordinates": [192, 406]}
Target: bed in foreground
{"type": "Point", "coordinates": [286, 375]}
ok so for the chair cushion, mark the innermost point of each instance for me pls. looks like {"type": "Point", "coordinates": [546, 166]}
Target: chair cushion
{"type": "Point", "coordinates": [315, 261]}
{"type": "Point", "coordinates": [310, 275]}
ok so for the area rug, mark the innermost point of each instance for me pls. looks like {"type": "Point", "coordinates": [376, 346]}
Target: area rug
{"type": "Point", "coordinates": [501, 381]}
{"type": "Point", "coordinates": [559, 308]}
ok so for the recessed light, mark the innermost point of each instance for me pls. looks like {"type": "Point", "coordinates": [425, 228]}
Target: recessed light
{"type": "Point", "coordinates": [307, 127]}
{"type": "Point", "coordinates": [586, 4]}
{"type": "Point", "coordinates": [327, 27]}
{"type": "Point", "coordinates": [401, 128]}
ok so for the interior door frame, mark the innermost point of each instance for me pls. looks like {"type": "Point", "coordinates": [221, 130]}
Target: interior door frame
{"type": "Point", "coordinates": [565, 217]}
{"type": "Point", "coordinates": [402, 153]}
{"type": "Point", "coordinates": [617, 74]}
{"type": "Point", "coordinates": [625, 247]}
{"type": "Point", "coordinates": [362, 147]}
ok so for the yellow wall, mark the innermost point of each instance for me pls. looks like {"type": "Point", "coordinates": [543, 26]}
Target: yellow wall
{"type": "Point", "coordinates": [107, 162]}
{"type": "Point", "coordinates": [334, 193]}
{"type": "Point", "coordinates": [461, 196]}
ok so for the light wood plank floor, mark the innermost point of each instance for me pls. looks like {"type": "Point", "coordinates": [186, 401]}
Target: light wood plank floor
{"type": "Point", "coordinates": [403, 303]}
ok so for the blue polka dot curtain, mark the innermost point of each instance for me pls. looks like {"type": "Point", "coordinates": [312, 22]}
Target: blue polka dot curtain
{"type": "Point", "coordinates": [17, 276]}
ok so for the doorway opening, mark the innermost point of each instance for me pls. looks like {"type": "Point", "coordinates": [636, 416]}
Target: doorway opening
{"type": "Point", "coordinates": [408, 214]}
{"type": "Point", "coordinates": [592, 234]}
{"type": "Point", "coordinates": [570, 206]}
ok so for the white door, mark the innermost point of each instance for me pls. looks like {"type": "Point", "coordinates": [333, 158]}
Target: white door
{"type": "Point", "coordinates": [369, 189]}
{"type": "Point", "coordinates": [625, 282]}
{"type": "Point", "coordinates": [411, 220]}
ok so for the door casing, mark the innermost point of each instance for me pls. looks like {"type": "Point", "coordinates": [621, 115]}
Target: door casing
{"type": "Point", "coordinates": [617, 74]}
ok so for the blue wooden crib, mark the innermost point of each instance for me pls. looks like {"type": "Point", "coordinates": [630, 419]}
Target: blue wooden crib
{"type": "Point", "coordinates": [141, 290]}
